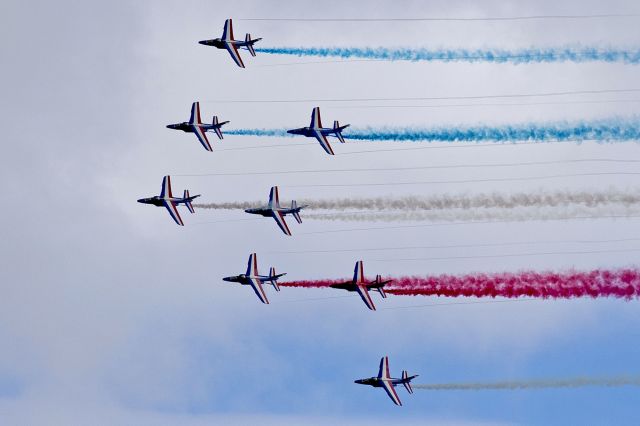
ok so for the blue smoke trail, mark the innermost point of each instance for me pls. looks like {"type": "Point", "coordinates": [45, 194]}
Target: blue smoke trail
{"type": "Point", "coordinates": [599, 130]}
{"type": "Point", "coordinates": [259, 132]}
{"type": "Point", "coordinates": [517, 56]}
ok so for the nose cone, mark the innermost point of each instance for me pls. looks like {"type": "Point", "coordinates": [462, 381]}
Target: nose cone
{"type": "Point", "coordinates": [227, 279]}
{"type": "Point", "coordinates": [141, 200]}
{"type": "Point", "coordinates": [359, 381]}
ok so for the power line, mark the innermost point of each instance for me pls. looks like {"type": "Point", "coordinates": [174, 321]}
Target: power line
{"type": "Point", "coordinates": [446, 19]}
{"type": "Point", "coordinates": [437, 182]}
{"type": "Point", "coordinates": [449, 246]}
{"type": "Point", "coordinates": [487, 256]}
{"type": "Point", "coordinates": [429, 98]}
{"type": "Point", "coordinates": [473, 222]}
{"type": "Point", "coordinates": [479, 302]}
{"type": "Point", "coordinates": [606, 101]}
{"type": "Point", "coordinates": [453, 166]}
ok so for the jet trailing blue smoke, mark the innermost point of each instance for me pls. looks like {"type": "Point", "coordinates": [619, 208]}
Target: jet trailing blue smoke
{"type": "Point", "coordinates": [609, 130]}
{"type": "Point", "coordinates": [517, 56]}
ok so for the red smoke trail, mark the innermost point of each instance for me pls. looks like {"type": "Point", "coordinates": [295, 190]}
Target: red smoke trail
{"type": "Point", "coordinates": [621, 283]}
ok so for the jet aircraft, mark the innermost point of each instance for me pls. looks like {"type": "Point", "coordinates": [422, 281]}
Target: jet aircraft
{"type": "Point", "coordinates": [315, 130]}
{"type": "Point", "coordinates": [360, 285]}
{"type": "Point", "coordinates": [384, 380]}
{"type": "Point", "coordinates": [167, 200]}
{"type": "Point", "coordinates": [195, 125]}
{"type": "Point", "coordinates": [255, 280]}
{"type": "Point", "coordinates": [227, 42]}
{"type": "Point", "coordinates": [277, 212]}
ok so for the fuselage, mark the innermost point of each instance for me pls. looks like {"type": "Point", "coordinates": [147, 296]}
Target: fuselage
{"type": "Point", "coordinates": [222, 44]}
{"type": "Point", "coordinates": [156, 201]}
{"type": "Point", "coordinates": [376, 382]}
{"type": "Point", "coordinates": [185, 126]}
{"type": "Point", "coordinates": [311, 132]}
{"type": "Point", "coordinates": [268, 212]}
{"type": "Point", "coordinates": [159, 202]}
{"type": "Point", "coordinates": [216, 42]}
{"type": "Point", "coordinates": [246, 279]}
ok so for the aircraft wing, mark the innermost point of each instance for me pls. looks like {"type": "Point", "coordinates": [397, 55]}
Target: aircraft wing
{"type": "Point", "coordinates": [166, 187]}
{"type": "Point", "coordinates": [227, 32]}
{"type": "Point", "coordinates": [324, 143]}
{"type": "Point", "coordinates": [235, 55]}
{"type": "Point", "coordinates": [252, 265]}
{"type": "Point", "coordinates": [363, 291]}
{"type": "Point", "coordinates": [257, 287]}
{"type": "Point", "coordinates": [279, 217]}
{"type": "Point", "coordinates": [202, 137]}
{"type": "Point", "coordinates": [194, 118]}
{"type": "Point", "coordinates": [173, 211]}
{"type": "Point", "coordinates": [315, 118]}
{"type": "Point", "coordinates": [387, 383]}
{"type": "Point", "coordinates": [391, 391]}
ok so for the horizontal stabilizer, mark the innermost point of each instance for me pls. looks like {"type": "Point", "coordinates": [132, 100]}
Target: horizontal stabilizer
{"type": "Point", "coordinates": [274, 278]}
{"type": "Point", "coordinates": [406, 381]}
{"type": "Point", "coordinates": [249, 44]}
{"type": "Point", "coordinates": [187, 201]}
{"type": "Point", "coordinates": [296, 212]}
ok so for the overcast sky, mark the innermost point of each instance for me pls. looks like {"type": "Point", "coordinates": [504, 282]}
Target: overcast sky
{"type": "Point", "coordinates": [111, 314]}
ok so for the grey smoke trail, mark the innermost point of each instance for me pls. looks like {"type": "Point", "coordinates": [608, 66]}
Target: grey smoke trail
{"type": "Point", "coordinates": [458, 201]}
{"type": "Point", "coordinates": [231, 205]}
{"type": "Point", "coordinates": [514, 214]}
{"type": "Point", "coordinates": [488, 200]}
{"type": "Point", "coordinates": [578, 382]}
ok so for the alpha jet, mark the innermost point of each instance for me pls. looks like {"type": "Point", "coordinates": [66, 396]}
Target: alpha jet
{"type": "Point", "coordinates": [167, 200]}
{"type": "Point", "coordinates": [255, 280]}
{"type": "Point", "coordinates": [195, 125]}
{"type": "Point", "coordinates": [232, 46]}
{"type": "Point", "coordinates": [315, 130]}
{"type": "Point", "coordinates": [360, 285]}
{"type": "Point", "coordinates": [277, 212]}
{"type": "Point", "coordinates": [384, 380]}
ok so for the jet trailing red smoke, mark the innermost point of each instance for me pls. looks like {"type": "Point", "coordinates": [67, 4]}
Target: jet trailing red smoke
{"type": "Point", "coordinates": [619, 283]}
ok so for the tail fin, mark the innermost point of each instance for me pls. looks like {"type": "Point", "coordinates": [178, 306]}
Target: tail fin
{"type": "Point", "coordinates": [381, 288]}
{"type": "Point", "coordinates": [217, 128]}
{"type": "Point", "coordinates": [188, 203]}
{"type": "Point", "coordinates": [407, 381]}
{"type": "Point", "coordinates": [296, 213]}
{"type": "Point", "coordinates": [336, 127]}
{"type": "Point", "coordinates": [272, 275]}
{"type": "Point", "coordinates": [247, 40]}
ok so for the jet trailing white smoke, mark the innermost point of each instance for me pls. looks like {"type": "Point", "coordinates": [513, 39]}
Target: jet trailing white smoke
{"type": "Point", "coordinates": [578, 382]}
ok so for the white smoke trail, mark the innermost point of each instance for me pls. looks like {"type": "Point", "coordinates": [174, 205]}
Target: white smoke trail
{"type": "Point", "coordinates": [231, 205]}
{"type": "Point", "coordinates": [578, 382]}
{"type": "Point", "coordinates": [513, 214]}
{"type": "Point", "coordinates": [458, 201]}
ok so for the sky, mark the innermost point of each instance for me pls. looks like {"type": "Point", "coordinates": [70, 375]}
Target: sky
{"type": "Point", "coordinates": [111, 314]}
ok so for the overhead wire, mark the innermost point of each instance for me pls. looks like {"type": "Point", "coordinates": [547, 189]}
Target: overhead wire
{"type": "Point", "coordinates": [439, 167]}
